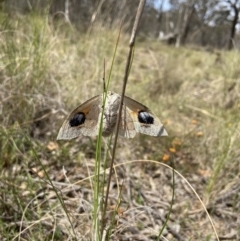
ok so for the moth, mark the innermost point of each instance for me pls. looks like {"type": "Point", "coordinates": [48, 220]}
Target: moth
{"type": "Point", "coordinates": [135, 117]}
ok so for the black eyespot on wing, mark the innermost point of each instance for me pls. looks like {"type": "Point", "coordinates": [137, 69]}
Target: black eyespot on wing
{"type": "Point", "coordinates": [145, 117]}
{"type": "Point", "coordinates": [77, 119]}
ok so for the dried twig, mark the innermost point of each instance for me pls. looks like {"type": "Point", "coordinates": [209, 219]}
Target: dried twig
{"type": "Point", "coordinates": [127, 69]}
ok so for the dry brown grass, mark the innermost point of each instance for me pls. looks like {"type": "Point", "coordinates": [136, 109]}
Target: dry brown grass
{"type": "Point", "coordinates": [46, 72]}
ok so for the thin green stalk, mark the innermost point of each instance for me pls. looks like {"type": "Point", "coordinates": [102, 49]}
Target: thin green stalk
{"type": "Point", "coordinates": [172, 202]}
{"type": "Point", "coordinates": [97, 207]}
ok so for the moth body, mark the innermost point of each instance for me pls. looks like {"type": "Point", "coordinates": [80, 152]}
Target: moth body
{"type": "Point", "coordinates": [110, 113]}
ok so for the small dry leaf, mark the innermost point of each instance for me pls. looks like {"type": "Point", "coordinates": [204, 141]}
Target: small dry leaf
{"type": "Point", "coordinates": [61, 177]}
{"type": "Point", "coordinates": [199, 133]}
{"type": "Point", "coordinates": [176, 142]}
{"type": "Point", "coordinates": [120, 210]}
{"type": "Point", "coordinates": [204, 173]}
{"type": "Point", "coordinates": [194, 122]}
{"type": "Point", "coordinates": [34, 170]}
{"type": "Point", "coordinates": [166, 122]}
{"type": "Point", "coordinates": [52, 146]}
{"type": "Point", "coordinates": [172, 149]}
{"type": "Point", "coordinates": [40, 174]}
{"type": "Point", "coordinates": [166, 157]}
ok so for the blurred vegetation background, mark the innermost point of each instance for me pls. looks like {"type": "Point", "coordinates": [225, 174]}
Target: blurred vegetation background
{"type": "Point", "coordinates": [185, 69]}
{"type": "Point", "coordinates": [211, 23]}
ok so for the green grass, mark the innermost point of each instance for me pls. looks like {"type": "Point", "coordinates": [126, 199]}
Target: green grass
{"type": "Point", "coordinates": [47, 70]}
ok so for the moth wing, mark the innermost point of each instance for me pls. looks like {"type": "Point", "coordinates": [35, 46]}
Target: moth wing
{"type": "Point", "coordinates": [134, 109]}
{"type": "Point", "coordinates": [126, 128]}
{"type": "Point", "coordinates": [90, 112]}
